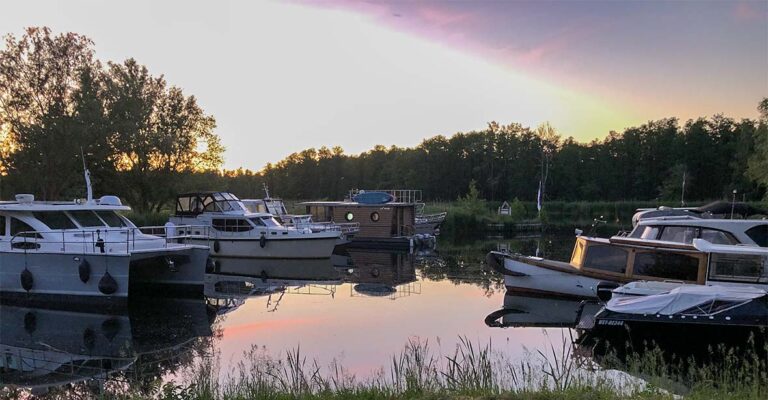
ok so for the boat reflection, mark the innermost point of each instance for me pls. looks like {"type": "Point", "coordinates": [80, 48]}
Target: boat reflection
{"type": "Point", "coordinates": [42, 349]}
{"type": "Point", "coordinates": [379, 273]}
{"type": "Point", "coordinates": [538, 311]}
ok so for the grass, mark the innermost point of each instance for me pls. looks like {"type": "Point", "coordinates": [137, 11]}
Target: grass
{"type": "Point", "coordinates": [472, 370]}
{"type": "Point", "coordinates": [478, 371]}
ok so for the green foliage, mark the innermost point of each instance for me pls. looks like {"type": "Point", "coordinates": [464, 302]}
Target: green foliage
{"type": "Point", "coordinates": [140, 138]}
{"type": "Point", "coordinates": [517, 211]}
{"type": "Point", "coordinates": [758, 161]}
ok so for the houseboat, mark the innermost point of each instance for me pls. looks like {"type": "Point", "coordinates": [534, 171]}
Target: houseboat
{"type": "Point", "coordinates": [220, 219]}
{"type": "Point", "coordinates": [656, 250]}
{"type": "Point", "coordinates": [385, 220]}
{"type": "Point", "coordinates": [86, 252]}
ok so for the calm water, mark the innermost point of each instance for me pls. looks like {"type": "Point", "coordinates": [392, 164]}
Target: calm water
{"type": "Point", "coordinates": [359, 308]}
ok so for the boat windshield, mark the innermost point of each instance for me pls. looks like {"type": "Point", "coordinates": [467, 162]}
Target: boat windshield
{"type": "Point", "coordinates": [86, 218]}
{"type": "Point", "coordinates": [112, 219]}
{"type": "Point", "coordinates": [266, 220]}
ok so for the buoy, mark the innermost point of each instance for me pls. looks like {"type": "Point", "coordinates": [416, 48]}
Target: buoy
{"type": "Point", "coordinates": [110, 328]}
{"type": "Point", "coordinates": [30, 322]}
{"type": "Point", "coordinates": [375, 272]}
{"type": "Point", "coordinates": [107, 284]}
{"type": "Point", "coordinates": [216, 246]}
{"type": "Point", "coordinates": [84, 270]}
{"type": "Point", "coordinates": [27, 280]}
{"type": "Point", "coordinates": [264, 275]}
{"type": "Point", "coordinates": [210, 267]}
{"type": "Point", "coordinates": [263, 241]}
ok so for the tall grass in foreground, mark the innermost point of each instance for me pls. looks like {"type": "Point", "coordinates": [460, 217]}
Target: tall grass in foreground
{"type": "Point", "coordinates": [475, 370]}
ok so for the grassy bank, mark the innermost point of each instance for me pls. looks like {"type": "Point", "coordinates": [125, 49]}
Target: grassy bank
{"type": "Point", "coordinates": [474, 371]}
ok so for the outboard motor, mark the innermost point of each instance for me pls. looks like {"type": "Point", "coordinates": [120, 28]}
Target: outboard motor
{"type": "Point", "coordinates": [604, 290]}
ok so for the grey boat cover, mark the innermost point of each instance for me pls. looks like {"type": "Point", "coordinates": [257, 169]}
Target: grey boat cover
{"type": "Point", "coordinates": [684, 298]}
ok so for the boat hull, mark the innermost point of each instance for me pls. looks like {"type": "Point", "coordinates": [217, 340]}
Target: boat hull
{"type": "Point", "coordinates": [282, 248]}
{"type": "Point", "coordinates": [57, 277]}
{"type": "Point", "coordinates": [533, 279]}
{"type": "Point", "coordinates": [151, 271]}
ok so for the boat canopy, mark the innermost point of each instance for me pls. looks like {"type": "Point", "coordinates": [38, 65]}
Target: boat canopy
{"type": "Point", "coordinates": [192, 204]}
{"type": "Point", "coordinates": [687, 300]}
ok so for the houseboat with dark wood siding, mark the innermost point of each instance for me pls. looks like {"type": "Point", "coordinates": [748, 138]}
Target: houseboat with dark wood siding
{"type": "Point", "coordinates": [385, 220]}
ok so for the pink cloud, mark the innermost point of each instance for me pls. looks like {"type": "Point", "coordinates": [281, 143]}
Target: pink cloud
{"type": "Point", "coordinates": [745, 11]}
{"type": "Point", "coordinates": [441, 16]}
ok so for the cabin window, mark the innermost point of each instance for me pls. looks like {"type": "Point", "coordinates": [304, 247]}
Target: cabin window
{"type": "Point", "coordinates": [667, 266]}
{"type": "Point", "coordinates": [375, 216]}
{"type": "Point", "coordinates": [349, 216]}
{"type": "Point", "coordinates": [266, 221]}
{"type": "Point", "coordinates": [86, 218]}
{"type": "Point", "coordinates": [645, 232]}
{"type": "Point", "coordinates": [231, 225]}
{"type": "Point", "coordinates": [606, 258]}
{"type": "Point", "coordinates": [759, 234]}
{"type": "Point", "coordinates": [2, 225]}
{"type": "Point", "coordinates": [21, 228]}
{"type": "Point", "coordinates": [111, 218]}
{"type": "Point", "coordinates": [742, 267]}
{"type": "Point", "coordinates": [679, 234]}
{"type": "Point", "coordinates": [55, 220]}
{"type": "Point", "coordinates": [718, 237]}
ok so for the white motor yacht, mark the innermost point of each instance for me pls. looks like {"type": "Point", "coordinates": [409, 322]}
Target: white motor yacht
{"type": "Point", "coordinates": [86, 252]}
{"type": "Point", "coordinates": [220, 219]}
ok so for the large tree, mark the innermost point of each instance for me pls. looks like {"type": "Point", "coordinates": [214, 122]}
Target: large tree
{"type": "Point", "coordinates": [159, 135]}
{"type": "Point", "coordinates": [758, 162]}
{"type": "Point", "coordinates": [49, 111]}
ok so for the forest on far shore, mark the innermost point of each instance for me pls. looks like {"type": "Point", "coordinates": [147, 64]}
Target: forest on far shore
{"type": "Point", "coordinates": [145, 141]}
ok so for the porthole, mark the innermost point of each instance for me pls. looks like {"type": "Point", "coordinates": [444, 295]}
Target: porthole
{"type": "Point", "coordinates": [349, 216]}
{"type": "Point", "coordinates": [375, 216]}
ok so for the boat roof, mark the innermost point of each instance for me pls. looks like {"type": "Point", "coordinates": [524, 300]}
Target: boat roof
{"type": "Point", "coordinates": [355, 204]}
{"type": "Point", "coordinates": [740, 224]}
{"type": "Point", "coordinates": [14, 206]}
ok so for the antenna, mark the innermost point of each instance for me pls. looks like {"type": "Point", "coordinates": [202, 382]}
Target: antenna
{"type": "Point", "coordinates": [88, 187]}
{"type": "Point", "coordinates": [266, 190]}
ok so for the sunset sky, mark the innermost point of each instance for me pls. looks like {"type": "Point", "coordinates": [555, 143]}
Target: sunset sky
{"type": "Point", "coordinates": [283, 76]}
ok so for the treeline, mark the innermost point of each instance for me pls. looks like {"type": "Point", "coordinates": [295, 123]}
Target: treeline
{"type": "Point", "coordinates": [713, 156]}
{"type": "Point", "coordinates": [146, 141]}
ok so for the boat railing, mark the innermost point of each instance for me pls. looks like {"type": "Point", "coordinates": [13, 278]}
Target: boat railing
{"type": "Point", "coordinates": [207, 232]}
{"type": "Point", "coordinates": [431, 218]}
{"type": "Point", "coordinates": [103, 240]}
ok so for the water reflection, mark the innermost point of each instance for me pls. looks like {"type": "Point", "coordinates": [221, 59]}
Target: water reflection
{"type": "Point", "coordinates": [537, 311]}
{"type": "Point", "coordinates": [42, 349]}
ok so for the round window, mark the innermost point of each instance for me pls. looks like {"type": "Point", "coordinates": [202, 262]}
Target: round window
{"type": "Point", "coordinates": [349, 216]}
{"type": "Point", "coordinates": [375, 216]}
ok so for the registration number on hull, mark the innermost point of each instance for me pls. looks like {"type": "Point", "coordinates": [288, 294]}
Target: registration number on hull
{"type": "Point", "coordinates": [610, 322]}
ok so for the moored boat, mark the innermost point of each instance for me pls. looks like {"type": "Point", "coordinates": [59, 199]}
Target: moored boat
{"type": "Point", "coordinates": [86, 252]}
{"type": "Point", "coordinates": [220, 219]}
{"type": "Point", "coordinates": [656, 250]}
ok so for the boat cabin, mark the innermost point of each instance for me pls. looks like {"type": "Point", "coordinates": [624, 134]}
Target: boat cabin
{"type": "Point", "coordinates": [392, 222]}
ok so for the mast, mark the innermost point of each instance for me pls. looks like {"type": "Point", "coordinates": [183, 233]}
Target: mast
{"type": "Point", "coordinates": [88, 187]}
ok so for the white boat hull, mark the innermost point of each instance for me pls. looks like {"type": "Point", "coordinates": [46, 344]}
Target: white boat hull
{"type": "Point", "coordinates": [56, 276]}
{"type": "Point", "coordinates": [531, 279]}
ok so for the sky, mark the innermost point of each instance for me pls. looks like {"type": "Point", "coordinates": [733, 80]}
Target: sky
{"type": "Point", "coordinates": [280, 77]}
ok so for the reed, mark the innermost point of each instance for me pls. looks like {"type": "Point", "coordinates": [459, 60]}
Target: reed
{"type": "Point", "coordinates": [474, 370]}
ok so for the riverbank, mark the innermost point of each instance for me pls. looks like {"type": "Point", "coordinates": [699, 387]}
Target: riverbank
{"type": "Point", "coordinates": [479, 371]}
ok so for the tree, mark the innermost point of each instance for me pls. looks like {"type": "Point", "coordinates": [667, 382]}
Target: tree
{"type": "Point", "coordinates": [158, 135]}
{"type": "Point", "coordinates": [757, 169]}
{"type": "Point", "coordinates": [49, 111]}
